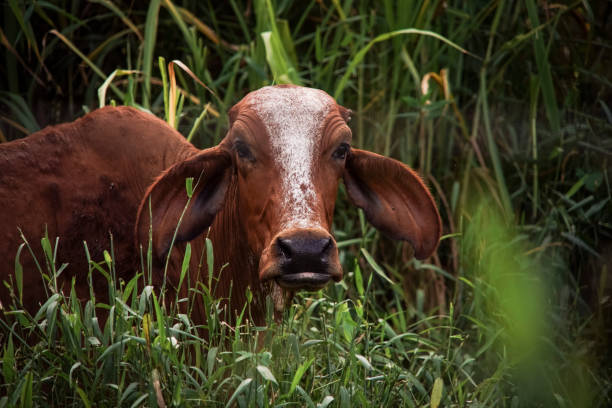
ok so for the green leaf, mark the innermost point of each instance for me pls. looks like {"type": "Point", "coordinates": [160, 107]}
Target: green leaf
{"type": "Point", "coordinates": [383, 37]}
{"type": "Point", "coordinates": [210, 360]}
{"type": "Point", "coordinates": [161, 62]}
{"type": "Point", "coordinates": [150, 33]}
{"type": "Point", "coordinates": [8, 362]}
{"type": "Point", "coordinates": [210, 261]}
{"type": "Point", "coordinates": [185, 265]}
{"type": "Point", "coordinates": [579, 242]}
{"type": "Point", "coordinates": [576, 187]}
{"type": "Point", "coordinates": [129, 288]}
{"type": "Point", "coordinates": [345, 321]}
{"type": "Point", "coordinates": [189, 186]}
{"type": "Point", "coordinates": [52, 299]}
{"type": "Point", "coordinates": [358, 279]}
{"type": "Point", "coordinates": [19, 273]}
{"type": "Point", "coordinates": [364, 362]}
{"type": "Point", "coordinates": [277, 51]}
{"type": "Point", "coordinates": [544, 71]}
{"type": "Point", "coordinates": [593, 181]}
{"type": "Point", "coordinates": [108, 259]}
{"type": "Point", "coordinates": [284, 34]}
{"type": "Point", "coordinates": [266, 374]}
{"type": "Point", "coordinates": [375, 266]}
{"type": "Point", "coordinates": [282, 72]}
{"type": "Point", "coordinates": [326, 401]}
{"type": "Point", "coordinates": [74, 367]}
{"type": "Point", "coordinates": [159, 316]}
{"type": "Point", "coordinates": [298, 375]}
{"type": "Point", "coordinates": [241, 388]}
{"type": "Point", "coordinates": [46, 246]}
{"type": "Point", "coordinates": [26, 391]}
{"type": "Point", "coordinates": [436, 393]}
{"type": "Point", "coordinates": [107, 82]}
{"type": "Point", "coordinates": [20, 110]}
{"type": "Point", "coordinates": [139, 400]}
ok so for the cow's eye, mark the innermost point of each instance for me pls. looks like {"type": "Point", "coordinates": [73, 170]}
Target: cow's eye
{"type": "Point", "coordinates": [243, 151]}
{"type": "Point", "coordinates": [341, 152]}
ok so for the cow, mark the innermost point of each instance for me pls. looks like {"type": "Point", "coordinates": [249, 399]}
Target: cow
{"type": "Point", "coordinates": [264, 196]}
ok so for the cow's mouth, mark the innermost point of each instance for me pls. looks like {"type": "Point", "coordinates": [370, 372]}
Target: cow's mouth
{"type": "Point", "coordinates": [303, 280]}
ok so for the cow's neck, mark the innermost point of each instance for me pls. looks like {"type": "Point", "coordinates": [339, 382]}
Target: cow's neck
{"type": "Point", "coordinates": [236, 266]}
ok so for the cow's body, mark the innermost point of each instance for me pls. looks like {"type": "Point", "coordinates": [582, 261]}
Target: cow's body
{"type": "Point", "coordinates": [267, 192]}
{"type": "Point", "coordinates": [81, 181]}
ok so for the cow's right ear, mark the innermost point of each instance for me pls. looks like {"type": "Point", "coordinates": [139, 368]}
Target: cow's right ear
{"type": "Point", "coordinates": [165, 202]}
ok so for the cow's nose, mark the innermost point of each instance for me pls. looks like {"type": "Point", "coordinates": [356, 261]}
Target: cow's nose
{"type": "Point", "coordinates": [305, 259]}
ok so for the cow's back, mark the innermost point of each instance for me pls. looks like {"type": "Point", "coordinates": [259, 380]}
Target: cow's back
{"type": "Point", "coordinates": [80, 181]}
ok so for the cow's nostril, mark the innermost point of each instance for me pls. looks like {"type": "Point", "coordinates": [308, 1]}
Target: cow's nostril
{"type": "Point", "coordinates": [285, 247]}
{"type": "Point", "coordinates": [327, 247]}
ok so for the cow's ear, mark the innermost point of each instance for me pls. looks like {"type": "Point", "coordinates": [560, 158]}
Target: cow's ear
{"type": "Point", "coordinates": [165, 202]}
{"type": "Point", "coordinates": [394, 200]}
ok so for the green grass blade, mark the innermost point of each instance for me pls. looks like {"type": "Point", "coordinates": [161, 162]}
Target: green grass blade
{"type": "Point", "coordinates": [150, 35]}
{"type": "Point", "coordinates": [26, 391]}
{"type": "Point", "coordinates": [384, 37]}
{"type": "Point", "coordinates": [21, 110]}
{"type": "Point", "coordinates": [544, 72]}
{"type": "Point", "coordinates": [107, 82]}
{"type": "Point", "coordinates": [111, 6]}
{"type": "Point", "coordinates": [91, 65]}
{"type": "Point", "coordinates": [239, 390]}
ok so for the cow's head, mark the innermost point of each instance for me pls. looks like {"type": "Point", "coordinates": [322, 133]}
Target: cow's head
{"type": "Point", "coordinates": [286, 150]}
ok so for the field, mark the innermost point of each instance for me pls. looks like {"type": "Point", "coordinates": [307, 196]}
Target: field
{"type": "Point", "coordinates": [505, 109]}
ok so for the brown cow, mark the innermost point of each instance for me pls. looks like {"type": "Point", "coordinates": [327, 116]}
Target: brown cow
{"type": "Point", "coordinates": [267, 192]}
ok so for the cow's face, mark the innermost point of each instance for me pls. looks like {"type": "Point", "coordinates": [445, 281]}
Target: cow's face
{"type": "Point", "coordinates": [285, 152]}
{"type": "Point", "coordinates": [289, 146]}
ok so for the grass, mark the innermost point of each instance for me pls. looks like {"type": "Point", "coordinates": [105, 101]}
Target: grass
{"type": "Point", "coordinates": [512, 136]}
{"type": "Point", "coordinates": [339, 346]}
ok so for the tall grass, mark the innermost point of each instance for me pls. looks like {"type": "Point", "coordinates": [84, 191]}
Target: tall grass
{"type": "Point", "coordinates": [502, 105]}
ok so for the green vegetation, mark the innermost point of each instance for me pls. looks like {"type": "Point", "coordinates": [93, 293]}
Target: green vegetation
{"type": "Point", "coordinates": [503, 106]}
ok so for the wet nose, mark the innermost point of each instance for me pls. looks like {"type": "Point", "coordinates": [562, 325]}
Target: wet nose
{"type": "Point", "coordinates": [305, 252]}
{"type": "Point", "coordinates": [304, 259]}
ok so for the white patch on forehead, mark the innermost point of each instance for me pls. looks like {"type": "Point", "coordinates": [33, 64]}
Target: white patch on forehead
{"type": "Point", "coordinates": [294, 119]}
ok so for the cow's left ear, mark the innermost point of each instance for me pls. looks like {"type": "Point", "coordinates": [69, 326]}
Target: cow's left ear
{"type": "Point", "coordinates": [394, 200]}
{"type": "Point", "coordinates": [211, 171]}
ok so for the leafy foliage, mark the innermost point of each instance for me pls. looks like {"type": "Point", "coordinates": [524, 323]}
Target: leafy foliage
{"type": "Point", "coordinates": [503, 106]}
